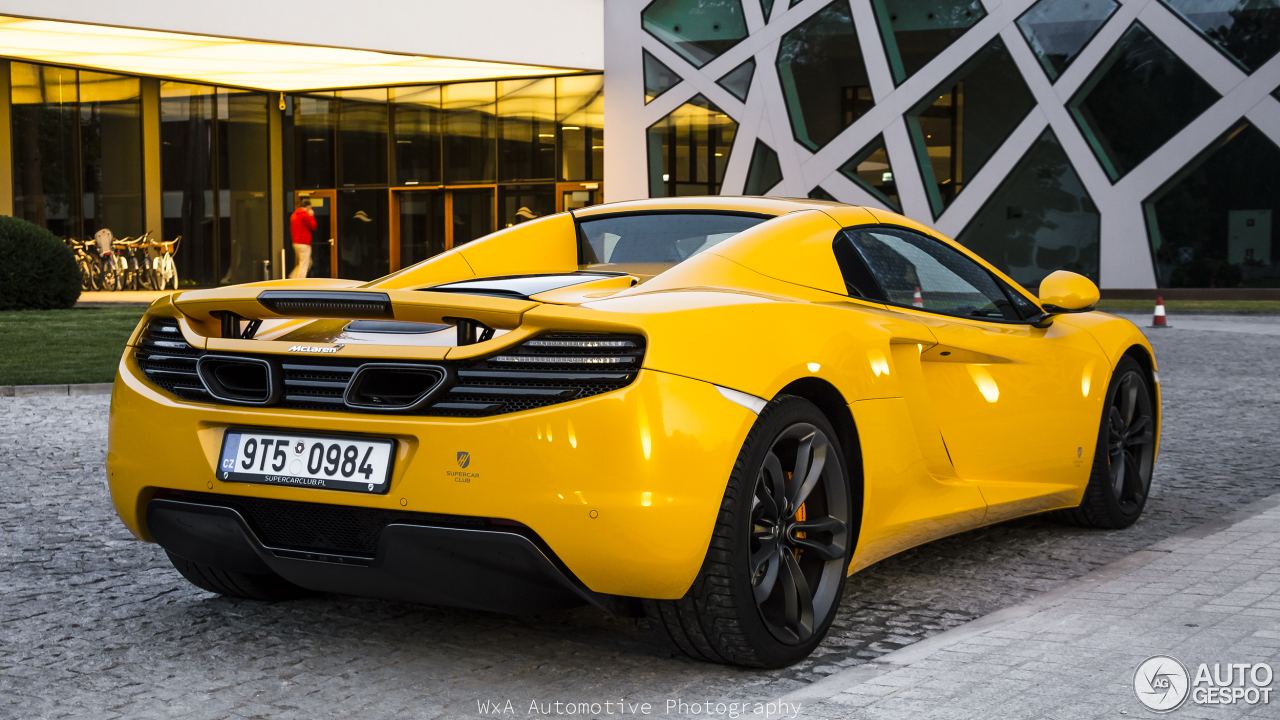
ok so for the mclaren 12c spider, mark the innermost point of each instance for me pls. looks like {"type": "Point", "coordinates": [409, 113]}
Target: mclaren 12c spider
{"type": "Point", "coordinates": [709, 411]}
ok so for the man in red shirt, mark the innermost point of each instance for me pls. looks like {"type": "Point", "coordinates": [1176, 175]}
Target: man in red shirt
{"type": "Point", "coordinates": [301, 224]}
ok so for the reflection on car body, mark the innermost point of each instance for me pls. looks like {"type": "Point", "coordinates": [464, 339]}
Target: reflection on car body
{"type": "Point", "coordinates": [708, 411]}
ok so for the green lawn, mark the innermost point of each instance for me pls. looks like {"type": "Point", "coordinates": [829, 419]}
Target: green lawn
{"type": "Point", "coordinates": [80, 345]}
{"type": "Point", "coordinates": [1227, 305]}
{"type": "Point", "coordinates": [83, 345]}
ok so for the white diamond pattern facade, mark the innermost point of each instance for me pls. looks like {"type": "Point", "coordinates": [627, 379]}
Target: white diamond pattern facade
{"type": "Point", "coordinates": [1125, 256]}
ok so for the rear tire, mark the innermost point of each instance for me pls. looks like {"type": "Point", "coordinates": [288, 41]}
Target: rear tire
{"type": "Point", "coordinates": [1120, 481]}
{"type": "Point", "coordinates": [771, 582]}
{"type": "Point", "coordinates": [236, 584]}
{"type": "Point", "coordinates": [88, 282]}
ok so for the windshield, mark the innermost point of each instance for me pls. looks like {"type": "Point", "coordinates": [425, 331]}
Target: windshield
{"type": "Point", "coordinates": [665, 238]}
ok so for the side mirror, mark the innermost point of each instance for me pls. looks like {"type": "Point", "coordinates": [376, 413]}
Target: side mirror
{"type": "Point", "coordinates": [1068, 292]}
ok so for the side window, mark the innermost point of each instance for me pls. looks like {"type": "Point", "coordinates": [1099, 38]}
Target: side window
{"type": "Point", "coordinates": [1026, 308]}
{"type": "Point", "coordinates": [917, 271]}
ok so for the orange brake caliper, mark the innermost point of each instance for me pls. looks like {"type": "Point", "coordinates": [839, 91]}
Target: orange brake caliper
{"type": "Point", "coordinates": [800, 516]}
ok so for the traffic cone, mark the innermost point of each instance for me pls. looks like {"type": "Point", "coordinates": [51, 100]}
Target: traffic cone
{"type": "Point", "coordinates": [917, 300]}
{"type": "Point", "coordinates": [1158, 320]}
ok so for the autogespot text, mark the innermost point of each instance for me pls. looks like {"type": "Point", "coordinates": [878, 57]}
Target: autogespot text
{"type": "Point", "coordinates": [1232, 683]}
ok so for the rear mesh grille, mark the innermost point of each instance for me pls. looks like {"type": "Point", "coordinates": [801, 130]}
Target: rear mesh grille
{"type": "Point", "coordinates": [304, 526]}
{"type": "Point", "coordinates": [540, 377]}
{"type": "Point", "coordinates": [545, 370]}
{"type": "Point", "coordinates": [169, 361]}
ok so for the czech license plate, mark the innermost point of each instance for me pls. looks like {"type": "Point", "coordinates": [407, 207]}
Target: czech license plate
{"type": "Point", "coordinates": [328, 462]}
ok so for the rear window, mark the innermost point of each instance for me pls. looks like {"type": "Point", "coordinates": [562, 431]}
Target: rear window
{"type": "Point", "coordinates": [656, 237]}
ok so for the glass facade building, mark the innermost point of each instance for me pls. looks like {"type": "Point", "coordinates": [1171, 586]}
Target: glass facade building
{"type": "Point", "coordinates": [394, 174]}
{"type": "Point", "coordinates": [399, 174]}
{"type": "Point", "coordinates": [76, 149]}
{"type": "Point", "coordinates": [1136, 145]}
{"type": "Point", "coordinates": [214, 179]}
{"type": "Point", "coordinates": [1139, 151]}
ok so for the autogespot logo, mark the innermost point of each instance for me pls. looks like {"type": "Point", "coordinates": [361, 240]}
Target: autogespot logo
{"type": "Point", "coordinates": [1161, 683]}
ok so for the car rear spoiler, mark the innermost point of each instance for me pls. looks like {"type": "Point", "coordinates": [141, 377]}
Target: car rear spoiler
{"type": "Point", "coordinates": [219, 312]}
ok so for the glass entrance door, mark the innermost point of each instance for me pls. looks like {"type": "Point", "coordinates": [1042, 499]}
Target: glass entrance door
{"type": "Point", "coordinates": [425, 223]}
{"type": "Point", "coordinates": [575, 199]}
{"type": "Point", "coordinates": [323, 246]}
{"type": "Point", "coordinates": [363, 249]}
{"type": "Point", "coordinates": [471, 212]}
{"type": "Point", "coordinates": [421, 216]}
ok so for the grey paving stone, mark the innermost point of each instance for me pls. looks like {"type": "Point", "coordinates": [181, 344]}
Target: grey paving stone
{"type": "Point", "coordinates": [1091, 669]}
{"type": "Point", "coordinates": [93, 622]}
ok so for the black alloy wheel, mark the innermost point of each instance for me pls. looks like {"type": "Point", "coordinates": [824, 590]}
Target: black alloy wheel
{"type": "Point", "coordinates": [1131, 442]}
{"type": "Point", "coordinates": [1120, 479]}
{"type": "Point", "coordinates": [775, 569]}
{"type": "Point", "coordinates": [799, 534]}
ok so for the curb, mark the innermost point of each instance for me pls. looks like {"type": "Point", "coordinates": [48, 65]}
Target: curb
{"type": "Point", "coordinates": [833, 685]}
{"type": "Point", "coordinates": [72, 390]}
{"type": "Point", "coordinates": [83, 305]}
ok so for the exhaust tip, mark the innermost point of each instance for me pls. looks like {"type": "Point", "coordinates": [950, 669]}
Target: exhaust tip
{"type": "Point", "coordinates": [240, 380]}
{"type": "Point", "coordinates": [394, 387]}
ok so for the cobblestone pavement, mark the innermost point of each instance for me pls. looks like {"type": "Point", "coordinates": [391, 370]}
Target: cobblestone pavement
{"type": "Point", "coordinates": [1088, 648]}
{"type": "Point", "coordinates": [95, 624]}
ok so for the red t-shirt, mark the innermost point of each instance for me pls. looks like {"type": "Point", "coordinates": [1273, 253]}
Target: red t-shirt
{"type": "Point", "coordinates": [301, 223]}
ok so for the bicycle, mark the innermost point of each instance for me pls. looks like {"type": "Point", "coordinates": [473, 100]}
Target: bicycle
{"type": "Point", "coordinates": [164, 271]}
{"type": "Point", "coordinates": [89, 280]}
{"type": "Point", "coordinates": [124, 274]}
{"type": "Point", "coordinates": [136, 262]}
{"type": "Point", "coordinates": [109, 271]}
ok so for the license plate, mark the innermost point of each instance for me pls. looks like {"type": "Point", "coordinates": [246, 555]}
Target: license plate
{"type": "Point", "coordinates": [327, 462]}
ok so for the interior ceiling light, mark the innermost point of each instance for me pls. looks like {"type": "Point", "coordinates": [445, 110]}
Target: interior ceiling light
{"type": "Point", "coordinates": [242, 63]}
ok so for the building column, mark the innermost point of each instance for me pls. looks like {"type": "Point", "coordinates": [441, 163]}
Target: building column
{"type": "Point", "coordinates": [626, 166]}
{"type": "Point", "coordinates": [152, 189]}
{"type": "Point", "coordinates": [275, 195]}
{"type": "Point", "coordinates": [6, 144]}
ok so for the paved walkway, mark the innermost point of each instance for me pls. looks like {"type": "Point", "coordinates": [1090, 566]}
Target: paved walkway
{"type": "Point", "coordinates": [94, 624]}
{"type": "Point", "coordinates": [122, 297]}
{"type": "Point", "coordinates": [1208, 596]}
{"type": "Point", "coordinates": [1247, 324]}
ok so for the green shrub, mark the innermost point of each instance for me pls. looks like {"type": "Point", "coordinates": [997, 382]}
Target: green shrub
{"type": "Point", "coordinates": [37, 270]}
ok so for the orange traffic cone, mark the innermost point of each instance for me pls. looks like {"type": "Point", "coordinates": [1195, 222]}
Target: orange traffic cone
{"type": "Point", "coordinates": [917, 300]}
{"type": "Point", "coordinates": [1158, 320]}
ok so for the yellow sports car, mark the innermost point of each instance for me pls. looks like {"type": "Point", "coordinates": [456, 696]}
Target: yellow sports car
{"type": "Point", "coordinates": [707, 410]}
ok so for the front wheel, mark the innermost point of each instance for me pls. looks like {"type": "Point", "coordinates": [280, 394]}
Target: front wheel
{"type": "Point", "coordinates": [773, 575]}
{"type": "Point", "coordinates": [1121, 477]}
{"type": "Point", "coordinates": [88, 279]}
{"type": "Point", "coordinates": [124, 274]}
{"type": "Point", "coordinates": [169, 274]}
{"type": "Point", "coordinates": [107, 272]}
{"type": "Point", "coordinates": [144, 274]}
